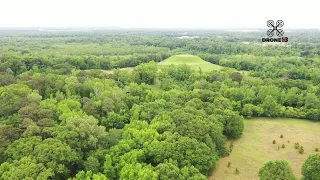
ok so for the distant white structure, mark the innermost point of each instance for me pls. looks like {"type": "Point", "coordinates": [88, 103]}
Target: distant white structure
{"type": "Point", "coordinates": [188, 37]}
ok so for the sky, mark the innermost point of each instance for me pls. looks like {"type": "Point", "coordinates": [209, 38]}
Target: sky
{"type": "Point", "coordinates": [196, 14]}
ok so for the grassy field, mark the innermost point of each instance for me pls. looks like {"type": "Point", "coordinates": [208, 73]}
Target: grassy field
{"type": "Point", "coordinates": [194, 62]}
{"type": "Point", "coordinates": [111, 71]}
{"type": "Point", "coordinates": [255, 147]}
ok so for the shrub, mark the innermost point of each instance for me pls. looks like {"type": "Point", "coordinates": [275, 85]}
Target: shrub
{"type": "Point", "coordinates": [237, 171]}
{"type": "Point", "coordinates": [296, 145]}
{"type": "Point", "coordinates": [231, 146]}
{"type": "Point", "coordinates": [274, 141]}
{"type": "Point", "coordinates": [288, 141]}
{"type": "Point", "coordinates": [301, 150]}
{"type": "Point", "coordinates": [283, 146]}
{"type": "Point", "coordinates": [317, 149]}
{"type": "Point", "coordinates": [278, 147]}
{"type": "Point", "coordinates": [229, 164]}
{"type": "Point", "coordinates": [281, 136]}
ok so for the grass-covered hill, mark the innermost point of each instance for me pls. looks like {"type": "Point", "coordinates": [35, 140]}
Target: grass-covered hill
{"type": "Point", "coordinates": [194, 62]}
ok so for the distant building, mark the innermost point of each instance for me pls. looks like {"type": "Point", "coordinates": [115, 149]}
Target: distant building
{"type": "Point", "coordinates": [188, 37]}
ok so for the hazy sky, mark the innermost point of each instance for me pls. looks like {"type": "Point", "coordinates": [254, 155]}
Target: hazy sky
{"type": "Point", "coordinates": [159, 13]}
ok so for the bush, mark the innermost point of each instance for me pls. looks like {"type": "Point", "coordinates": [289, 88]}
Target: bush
{"type": "Point", "coordinates": [274, 141]}
{"type": "Point", "coordinates": [301, 150]}
{"type": "Point", "coordinates": [296, 145]}
{"type": "Point", "coordinates": [231, 146]}
{"type": "Point", "coordinates": [281, 136]}
{"type": "Point", "coordinates": [317, 149]}
{"type": "Point", "coordinates": [288, 141]}
{"type": "Point", "coordinates": [237, 171]}
{"type": "Point", "coordinates": [229, 164]}
{"type": "Point", "coordinates": [283, 146]}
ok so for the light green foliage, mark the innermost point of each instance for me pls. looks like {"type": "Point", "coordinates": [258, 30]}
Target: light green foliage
{"type": "Point", "coordinates": [92, 164]}
{"type": "Point", "coordinates": [233, 123]}
{"type": "Point", "coordinates": [185, 151]}
{"type": "Point", "coordinates": [113, 120]}
{"type": "Point", "coordinates": [23, 147]}
{"type": "Point", "coordinates": [138, 171]}
{"type": "Point", "coordinates": [12, 98]}
{"type": "Point", "coordinates": [312, 101]}
{"type": "Point", "coordinates": [55, 155]}
{"type": "Point", "coordinates": [192, 173]}
{"type": "Point", "coordinates": [82, 133]}
{"type": "Point", "coordinates": [146, 72]}
{"type": "Point", "coordinates": [124, 77]}
{"type": "Point", "coordinates": [250, 110]}
{"type": "Point", "coordinates": [291, 97]}
{"type": "Point", "coordinates": [114, 136]}
{"type": "Point", "coordinates": [88, 175]}
{"type": "Point", "coordinates": [168, 171]}
{"type": "Point", "coordinates": [272, 91]}
{"type": "Point", "coordinates": [270, 107]}
{"type": "Point", "coordinates": [34, 98]}
{"type": "Point", "coordinates": [89, 106]}
{"type": "Point", "coordinates": [108, 168]}
{"type": "Point", "coordinates": [177, 72]}
{"type": "Point", "coordinates": [68, 109]}
{"type": "Point", "coordinates": [163, 123]}
{"type": "Point", "coordinates": [25, 168]}
{"type": "Point", "coordinates": [276, 170]}
{"type": "Point", "coordinates": [72, 86]}
{"type": "Point", "coordinates": [50, 152]}
{"type": "Point", "coordinates": [311, 168]}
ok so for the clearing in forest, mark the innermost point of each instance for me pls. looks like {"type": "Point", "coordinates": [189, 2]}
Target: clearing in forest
{"type": "Point", "coordinates": [195, 62]}
{"type": "Point", "coordinates": [256, 147]}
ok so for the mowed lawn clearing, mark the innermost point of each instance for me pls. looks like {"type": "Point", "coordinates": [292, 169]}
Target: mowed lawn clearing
{"type": "Point", "coordinates": [255, 147]}
{"type": "Point", "coordinates": [194, 62]}
{"type": "Point", "coordinates": [111, 71]}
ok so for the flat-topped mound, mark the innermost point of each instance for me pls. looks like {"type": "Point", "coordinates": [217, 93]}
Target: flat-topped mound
{"type": "Point", "coordinates": [195, 62]}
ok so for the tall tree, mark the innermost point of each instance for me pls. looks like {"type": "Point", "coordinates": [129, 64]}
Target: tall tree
{"type": "Point", "coordinates": [276, 170]}
{"type": "Point", "coordinates": [311, 168]}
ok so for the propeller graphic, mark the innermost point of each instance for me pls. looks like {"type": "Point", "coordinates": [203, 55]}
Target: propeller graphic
{"type": "Point", "coordinates": [279, 24]}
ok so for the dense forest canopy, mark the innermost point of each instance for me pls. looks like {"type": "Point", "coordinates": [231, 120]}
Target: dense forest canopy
{"type": "Point", "coordinates": [68, 110]}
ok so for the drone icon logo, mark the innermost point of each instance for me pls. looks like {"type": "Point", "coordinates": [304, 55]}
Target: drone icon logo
{"type": "Point", "coordinates": [279, 24]}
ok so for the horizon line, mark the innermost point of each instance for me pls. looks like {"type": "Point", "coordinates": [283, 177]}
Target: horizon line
{"type": "Point", "coordinates": [164, 28]}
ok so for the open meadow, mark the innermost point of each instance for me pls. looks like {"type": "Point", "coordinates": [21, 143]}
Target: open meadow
{"type": "Point", "coordinates": [256, 147]}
